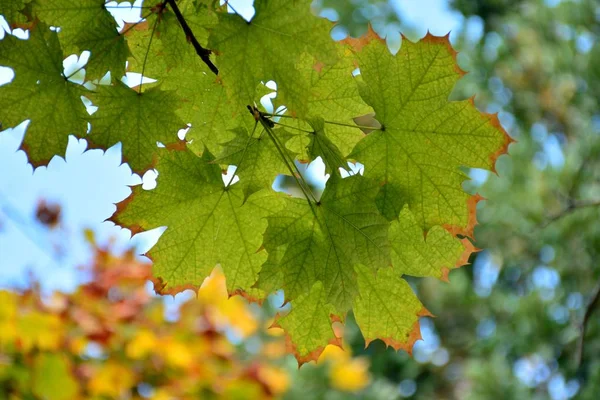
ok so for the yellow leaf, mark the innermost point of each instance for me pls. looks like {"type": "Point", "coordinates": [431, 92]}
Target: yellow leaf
{"type": "Point", "coordinates": [8, 305]}
{"type": "Point", "coordinates": [8, 312]}
{"type": "Point", "coordinates": [177, 354]}
{"type": "Point", "coordinates": [332, 354]}
{"type": "Point", "coordinates": [213, 289]}
{"type": "Point", "coordinates": [276, 378]}
{"type": "Point", "coordinates": [350, 376]}
{"type": "Point", "coordinates": [142, 344]}
{"type": "Point", "coordinates": [43, 331]}
{"type": "Point", "coordinates": [111, 380]}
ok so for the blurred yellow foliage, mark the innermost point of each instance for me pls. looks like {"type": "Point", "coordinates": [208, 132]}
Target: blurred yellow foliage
{"type": "Point", "coordinates": [111, 336]}
{"type": "Point", "coordinates": [112, 339]}
{"type": "Point", "coordinates": [346, 373]}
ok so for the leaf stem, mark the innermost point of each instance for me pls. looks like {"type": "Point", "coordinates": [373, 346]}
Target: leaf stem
{"type": "Point", "coordinates": [161, 7]}
{"type": "Point", "coordinates": [327, 122]}
{"type": "Point", "coordinates": [295, 174]}
{"type": "Point", "coordinates": [201, 51]}
{"type": "Point", "coordinates": [293, 127]}
{"type": "Point", "coordinates": [373, 128]}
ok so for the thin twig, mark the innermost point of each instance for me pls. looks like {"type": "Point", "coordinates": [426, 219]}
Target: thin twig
{"type": "Point", "coordinates": [203, 53]}
{"type": "Point", "coordinates": [589, 309]}
{"type": "Point", "coordinates": [571, 208]}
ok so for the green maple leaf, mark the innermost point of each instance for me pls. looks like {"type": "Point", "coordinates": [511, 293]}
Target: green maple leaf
{"type": "Point", "coordinates": [320, 145]}
{"type": "Point", "coordinates": [163, 53]}
{"type": "Point", "coordinates": [270, 47]}
{"type": "Point", "coordinates": [425, 138]}
{"type": "Point", "coordinates": [87, 25]}
{"type": "Point", "coordinates": [270, 277]}
{"type": "Point", "coordinates": [257, 159]}
{"type": "Point", "coordinates": [207, 223]}
{"type": "Point", "coordinates": [416, 255]}
{"type": "Point", "coordinates": [12, 11]}
{"type": "Point", "coordinates": [138, 120]}
{"type": "Point", "coordinates": [333, 96]}
{"type": "Point", "coordinates": [309, 322]}
{"type": "Point", "coordinates": [387, 308]}
{"type": "Point", "coordinates": [326, 239]}
{"type": "Point", "coordinates": [41, 93]}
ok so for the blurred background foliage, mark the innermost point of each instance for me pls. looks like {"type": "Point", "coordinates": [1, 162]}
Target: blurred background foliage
{"type": "Point", "coordinates": [510, 325]}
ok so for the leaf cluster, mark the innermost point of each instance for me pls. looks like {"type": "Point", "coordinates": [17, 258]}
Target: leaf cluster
{"type": "Point", "coordinates": [347, 249]}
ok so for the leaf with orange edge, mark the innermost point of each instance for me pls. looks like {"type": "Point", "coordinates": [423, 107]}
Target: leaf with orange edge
{"type": "Point", "coordinates": [387, 308]}
{"type": "Point", "coordinates": [418, 255]}
{"type": "Point", "coordinates": [424, 138]}
{"type": "Point", "coordinates": [208, 223]}
{"type": "Point", "coordinates": [309, 324]}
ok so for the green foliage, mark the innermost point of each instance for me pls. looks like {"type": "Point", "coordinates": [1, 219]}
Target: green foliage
{"type": "Point", "coordinates": [330, 254]}
{"type": "Point", "coordinates": [41, 93]}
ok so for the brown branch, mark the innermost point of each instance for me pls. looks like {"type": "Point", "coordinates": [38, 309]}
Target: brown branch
{"type": "Point", "coordinates": [203, 53]}
{"type": "Point", "coordinates": [589, 309]}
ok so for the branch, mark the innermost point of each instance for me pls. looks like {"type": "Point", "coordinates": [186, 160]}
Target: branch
{"type": "Point", "coordinates": [589, 309]}
{"type": "Point", "coordinates": [201, 51]}
{"type": "Point", "coordinates": [572, 207]}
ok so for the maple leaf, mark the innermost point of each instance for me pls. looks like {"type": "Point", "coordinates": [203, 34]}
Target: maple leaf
{"type": "Point", "coordinates": [348, 250]}
{"type": "Point", "coordinates": [333, 96]}
{"type": "Point", "coordinates": [13, 11]}
{"type": "Point", "coordinates": [387, 308]}
{"type": "Point", "coordinates": [87, 25]}
{"type": "Point", "coordinates": [138, 120]}
{"type": "Point", "coordinates": [326, 239]}
{"type": "Point", "coordinates": [257, 158]}
{"type": "Point", "coordinates": [320, 145]}
{"type": "Point", "coordinates": [433, 255]}
{"type": "Point", "coordinates": [203, 101]}
{"type": "Point", "coordinates": [40, 92]}
{"type": "Point", "coordinates": [309, 323]}
{"type": "Point", "coordinates": [424, 138]}
{"type": "Point", "coordinates": [269, 47]}
{"type": "Point", "coordinates": [207, 223]}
